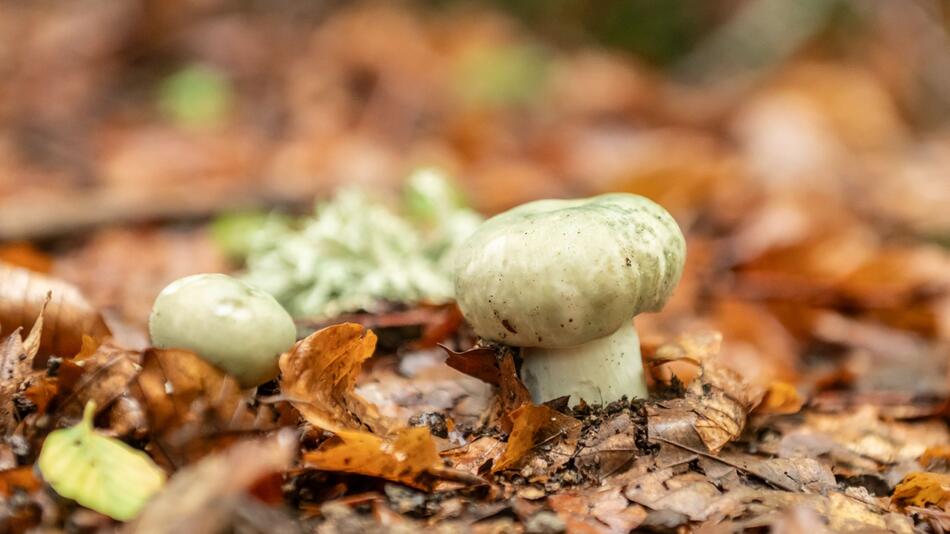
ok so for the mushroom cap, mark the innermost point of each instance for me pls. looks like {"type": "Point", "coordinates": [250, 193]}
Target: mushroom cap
{"type": "Point", "coordinates": [227, 322]}
{"type": "Point", "coordinates": [559, 273]}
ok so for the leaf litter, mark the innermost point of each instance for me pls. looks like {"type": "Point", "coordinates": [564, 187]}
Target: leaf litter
{"type": "Point", "coordinates": [822, 406]}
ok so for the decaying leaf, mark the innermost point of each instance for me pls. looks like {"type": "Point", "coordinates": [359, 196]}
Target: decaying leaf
{"type": "Point", "coordinates": [203, 496]}
{"type": "Point", "coordinates": [472, 457]}
{"type": "Point", "coordinates": [99, 472]}
{"type": "Point", "coordinates": [536, 427]}
{"type": "Point", "coordinates": [188, 399]}
{"type": "Point", "coordinates": [717, 403]}
{"type": "Point", "coordinates": [100, 377]}
{"type": "Point", "coordinates": [923, 489]}
{"type": "Point", "coordinates": [319, 376]}
{"type": "Point", "coordinates": [597, 511]}
{"type": "Point", "coordinates": [16, 363]}
{"type": "Point", "coordinates": [410, 456]}
{"type": "Point", "coordinates": [23, 295]}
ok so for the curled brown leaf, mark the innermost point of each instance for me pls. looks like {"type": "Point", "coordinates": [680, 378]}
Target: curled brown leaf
{"type": "Point", "coordinates": [319, 375]}
{"type": "Point", "coordinates": [23, 296]}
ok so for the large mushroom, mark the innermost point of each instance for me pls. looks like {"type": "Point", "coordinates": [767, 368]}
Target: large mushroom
{"type": "Point", "coordinates": [563, 279]}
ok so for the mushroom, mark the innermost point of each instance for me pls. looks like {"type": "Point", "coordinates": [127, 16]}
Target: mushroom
{"type": "Point", "coordinates": [225, 321]}
{"type": "Point", "coordinates": [563, 279]}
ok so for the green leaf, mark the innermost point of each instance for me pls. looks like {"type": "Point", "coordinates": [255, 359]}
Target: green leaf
{"type": "Point", "coordinates": [99, 472]}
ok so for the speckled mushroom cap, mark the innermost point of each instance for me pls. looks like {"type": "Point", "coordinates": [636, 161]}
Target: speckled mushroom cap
{"type": "Point", "coordinates": [558, 273]}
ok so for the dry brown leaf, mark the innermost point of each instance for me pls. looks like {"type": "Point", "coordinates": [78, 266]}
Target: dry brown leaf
{"type": "Point", "coordinates": [923, 489]}
{"type": "Point", "coordinates": [23, 294]}
{"type": "Point", "coordinates": [319, 375]}
{"type": "Point", "coordinates": [494, 365]}
{"type": "Point", "coordinates": [16, 364]}
{"type": "Point", "coordinates": [597, 511]}
{"type": "Point", "coordinates": [480, 362]}
{"type": "Point", "coordinates": [410, 457]}
{"type": "Point", "coordinates": [473, 456]}
{"type": "Point", "coordinates": [203, 496]}
{"type": "Point", "coordinates": [717, 403]}
{"type": "Point", "coordinates": [535, 426]}
{"type": "Point", "coordinates": [690, 494]}
{"type": "Point", "coordinates": [187, 400]}
{"type": "Point", "coordinates": [101, 377]}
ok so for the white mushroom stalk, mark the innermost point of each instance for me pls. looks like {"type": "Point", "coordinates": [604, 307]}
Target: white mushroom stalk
{"type": "Point", "coordinates": [563, 279]}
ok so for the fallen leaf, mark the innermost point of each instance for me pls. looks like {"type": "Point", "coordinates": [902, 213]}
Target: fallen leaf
{"type": "Point", "coordinates": [612, 448]}
{"type": "Point", "coordinates": [23, 294]}
{"type": "Point", "coordinates": [319, 375]}
{"type": "Point", "coordinates": [204, 496]}
{"type": "Point", "coordinates": [781, 399]}
{"type": "Point", "coordinates": [103, 377]}
{"type": "Point", "coordinates": [923, 489]}
{"type": "Point", "coordinates": [472, 457]}
{"type": "Point", "coordinates": [188, 401]}
{"type": "Point", "coordinates": [16, 363]}
{"type": "Point", "coordinates": [536, 426]}
{"type": "Point", "coordinates": [597, 511]}
{"type": "Point", "coordinates": [410, 457]}
{"type": "Point", "coordinates": [480, 362]}
{"type": "Point", "coordinates": [98, 472]}
{"type": "Point", "coordinates": [690, 494]}
{"type": "Point", "coordinates": [18, 479]}
{"type": "Point", "coordinates": [718, 402]}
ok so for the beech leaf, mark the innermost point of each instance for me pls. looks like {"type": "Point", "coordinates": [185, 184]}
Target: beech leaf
{"type": "Point", "coordinates": [98, 472]}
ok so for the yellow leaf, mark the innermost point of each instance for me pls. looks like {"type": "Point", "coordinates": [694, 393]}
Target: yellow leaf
{"type": "Point", "coordinates": [98, 472]}
{"type": "Point", "coordinates": [922, 489]}
{"type": "Point", "coordinates": [533, 426]}
{"type": "Point", "coordinates": [781, 399]}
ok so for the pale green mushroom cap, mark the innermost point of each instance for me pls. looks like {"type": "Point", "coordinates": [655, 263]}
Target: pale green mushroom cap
{"type": "Point", "coordinates": [229, 323]}
{"type": "Point", "coordinates": [559, 273]}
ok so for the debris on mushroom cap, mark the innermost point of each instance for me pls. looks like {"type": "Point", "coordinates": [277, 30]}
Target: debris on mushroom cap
{"type": "Point", "coordinates": [229, 323]}
{"type": "Point", "coordinates": [558, 273]}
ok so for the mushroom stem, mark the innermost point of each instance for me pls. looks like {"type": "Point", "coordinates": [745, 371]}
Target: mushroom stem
{"type": "Point", "coordinates": [599, 371]}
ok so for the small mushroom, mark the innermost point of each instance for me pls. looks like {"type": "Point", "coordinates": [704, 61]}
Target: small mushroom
{"type": "Point", "coordinates": [227, 322]}
{"type": "Point", "coordinates": [563, 279]}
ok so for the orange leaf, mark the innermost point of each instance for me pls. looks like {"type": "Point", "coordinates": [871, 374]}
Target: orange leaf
{"type": "Point", "coordinates": [922, 489]}
{"type": "Point", "coordinates": [781, 399]}
{"type": "Point", "coordinates": [319, 376]}
{"type": "Point", "coordinates": [534, 426]}
{"type": "Point", "coordinates": [411, 457]}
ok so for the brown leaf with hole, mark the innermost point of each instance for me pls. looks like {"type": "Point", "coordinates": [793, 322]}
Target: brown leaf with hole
{"type": "Point", "coordinates": [410, 457]}
{"type": "Point", "coordinates": [534, 427]}
{"type": "Point", "coordinates": [189, 403]}
{"type": "Point", "coordinates": [717, 403]}
{"type": "Point", "coordinates": [319, 377]}
{"type": "Point", "coordinates": [203, 496]}
{"type": "Point", "coordinates": [923, 489]}
{"type": "Point", "coordinates": [23, 294]}
{"type": "Point", "coordinates": [472, 457]}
